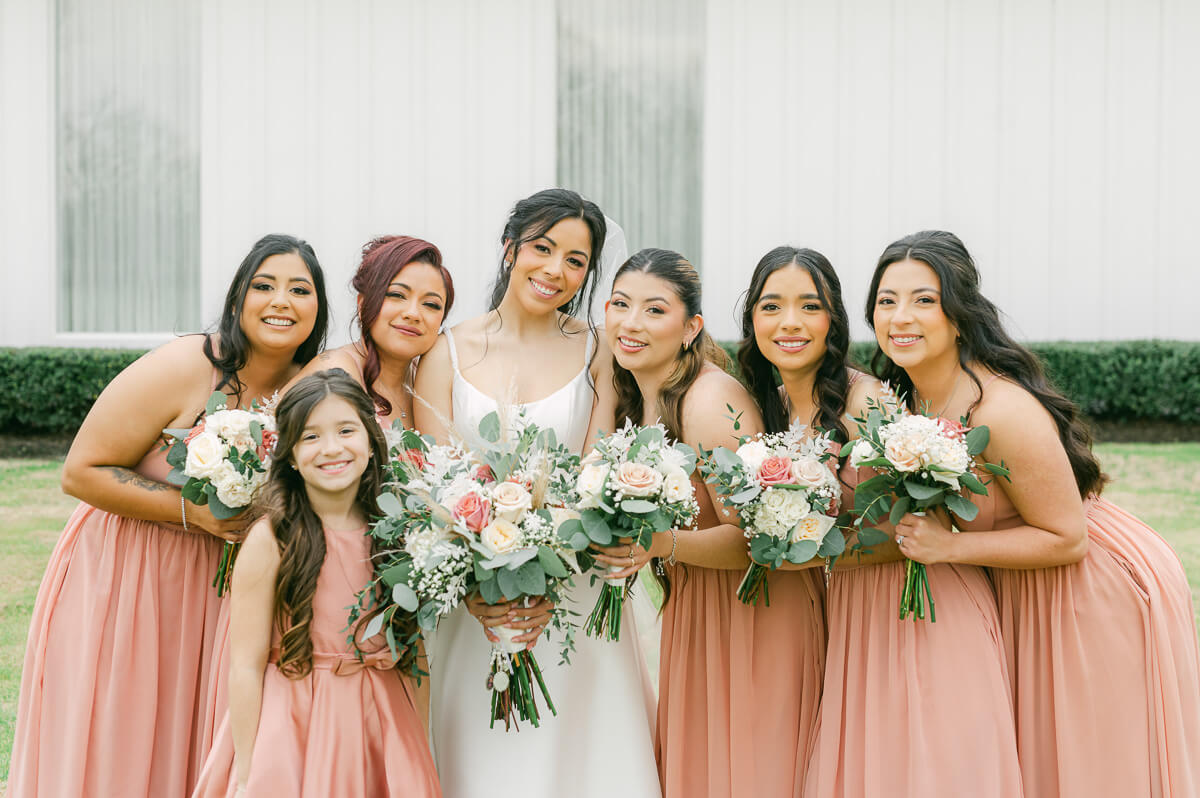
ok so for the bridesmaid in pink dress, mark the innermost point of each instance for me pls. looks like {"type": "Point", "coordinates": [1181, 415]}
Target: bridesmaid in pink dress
{"type": "Point", "coordinates": [736, 683]}
{"type": "Point", "coordinates": [875, 734]}
{"type": "Point", "coordinates": [1095, 608]}
{"type": "Point", "coordinates": [121, 638]}
{"type": "Point", "coordinates": [404, 294]}
{"type": "Point", "coordinates": [309, 717]}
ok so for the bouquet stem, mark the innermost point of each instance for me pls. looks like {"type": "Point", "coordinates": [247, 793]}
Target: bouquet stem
{"type": "Point", "coordinates": [518, 701]}
{"type": "Point", "coordinates": [225, 568]}
{"type": "Point", "coordinates": [605, 621]}
{"type": "Point", "coordinates": [916, 596]}
{"type": "Point", "coordinates": [754, 585]}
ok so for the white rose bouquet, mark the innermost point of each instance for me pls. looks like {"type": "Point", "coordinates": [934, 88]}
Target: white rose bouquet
{"type": "Point", "coordinates": [457, 522]}
{"type": "Point", "coordinates": [785, 495]}
{"type": "Point", "coordinates": [922, 463]}
{"type": "Point", "coordinates": [634, 483]}
{"type": "Point", "coordinates": [222, 462]}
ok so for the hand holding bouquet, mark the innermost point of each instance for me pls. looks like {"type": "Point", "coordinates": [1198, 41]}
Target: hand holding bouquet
{"type": "Point", "coordinates": [222, 462]}
{"type": "Point", "coordinates": [458, 523]}
{"type": "Point", "coordinates": [633, 484]}
{"type": "Point", "coordinates": [922, 463]}
{"type": "Point", "coordinates": [785, 496]}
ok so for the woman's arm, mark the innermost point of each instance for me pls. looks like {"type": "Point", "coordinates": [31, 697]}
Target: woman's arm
{"type": "Point", "coordinates": [164, 388]}
{"type": "Point", "coordinates": [432, 410]}
{"type": "Point", "coordinates": [604, 409]}
{"type": "Point", "coordinates": [252, 600]}
{"type": "Point", "coordinates": [341, 358]}
{"type": "Point", "coordinates": [1043, 490]}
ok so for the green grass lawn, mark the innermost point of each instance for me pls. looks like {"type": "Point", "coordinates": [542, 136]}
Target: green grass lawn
{"type": "Point", "coordinates": [1159, 483]}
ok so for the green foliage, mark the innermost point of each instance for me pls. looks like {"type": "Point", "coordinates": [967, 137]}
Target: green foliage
{"type": "Point", "coordinates": [1109, 380]}
{"type": "Point", "coordinates": [50, 390]}
{"type": "Point", "coordinates": [45, 391]}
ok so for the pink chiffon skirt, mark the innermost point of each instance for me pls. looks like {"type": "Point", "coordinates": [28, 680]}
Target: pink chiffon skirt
{"type": "Point", "coordinates": [912, 708]}
{"type": "Point", "coordinates": [739, 686]}
{"type": "Point", "coordinates": [1105, 666]}
{"type": "Point", "coordinates": [117, 662]}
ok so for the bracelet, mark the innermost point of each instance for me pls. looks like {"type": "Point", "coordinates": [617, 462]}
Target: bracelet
{"type": "Point", "coordinates": [183, 510]}
{"type": "Point", "coordinates": [674, 543]}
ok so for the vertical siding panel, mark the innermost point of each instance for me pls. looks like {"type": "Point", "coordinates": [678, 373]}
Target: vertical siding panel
{"type": "Point", "coordinates": [813, 138]}
{"type": "Point", "coordinates": [1174, 296]}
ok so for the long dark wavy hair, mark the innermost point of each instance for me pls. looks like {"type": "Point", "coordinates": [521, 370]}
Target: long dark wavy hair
{"type": "Point", "coordinates": [676, 270]}
{"type": "Point", "coordinates": [983, 340]}
{"type": "Point", "coordinates": [235, 348]}
{"type": "Point", "coordinates": [832, 379]}
{"type": "Point", "coordinates": [382, 258]}
{"type": "Point", "coordinates": [298, 530]}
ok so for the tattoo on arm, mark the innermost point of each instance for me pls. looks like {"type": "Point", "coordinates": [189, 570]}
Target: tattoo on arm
{"type": "Point", "coordinates": [129, 477]}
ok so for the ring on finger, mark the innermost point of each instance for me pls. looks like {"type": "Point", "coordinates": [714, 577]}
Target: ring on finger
{"type": "Point", "coordinates": [631, 560]}
{"type": "Point", "coordinates": [899, 540]}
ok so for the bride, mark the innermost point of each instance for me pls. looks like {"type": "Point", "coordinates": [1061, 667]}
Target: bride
{"type": "Point", "coordinates": [537, 339]}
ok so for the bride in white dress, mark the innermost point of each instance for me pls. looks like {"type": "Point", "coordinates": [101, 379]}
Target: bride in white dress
{"type": "Point", "coordinates": [601, 743]}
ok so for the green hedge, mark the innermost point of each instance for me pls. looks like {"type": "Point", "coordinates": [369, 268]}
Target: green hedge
{"type": "Point", "coordinates": [48, 391]}
{"type": "Point", "coordinates": [1111, 380]}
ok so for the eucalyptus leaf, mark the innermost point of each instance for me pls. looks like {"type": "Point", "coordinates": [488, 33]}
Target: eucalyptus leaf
{"type": "Point", "coordinates": [870, 536]}
{"type": "Point", "coordinates": [596, 527]}
{"type": "Point", "coordinates": [531, 579]}
{"type": "Point", "coordinates": [177, 477]}
{"type": "Point", "coordinates": [570, 528]}
{"type": "Point", "coordinates": [507, 581]}
{"type": "Point", "coordinates": [961, 507]}
{"type": "Point", "coordinates": [833, 544]}
{"type": "Point", "coordinates": [801, 551]}
{"type": "Point", "coordinates": [899, 509]}
{"type": "Point", "coordinates": [373, 627]}
{"type": "Point", "coordinates": [396, 573]}
{"type": "Point", "coordinates": [580, 541]}
{"type": "Point", "coordinates": [639, 506]}
{"type": "Point", "coordinates": [218, 508]}
{"type": "Point", "coordinates": [977, 440]}
{"type": "Point", "coordinates": [489, 427]}
{"type": "Point", "coordinates": [744, 496]}
{"type": "Point", "coordinates": [972, 483]}
{"type": "Point", "coordinates": [921, 493]}
{"type": "Point", "coordinates": [649, 435]}
{"type": "Point", "coordinates": [490, 591]}
{"type": "Point", "coordinates": [552, 563]}
{"type": "Point", "coordinates": [389, 504]}
{"type": "Point", "coordinates": [403, 595]}
{"type": "Point", "coordinates": [427, 616]}
{"type": "Point", "coordinates": [256, 431]}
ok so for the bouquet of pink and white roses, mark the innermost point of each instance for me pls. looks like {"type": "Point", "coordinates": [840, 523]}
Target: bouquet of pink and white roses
{"type": "Point", "coordinates": [222, 462]}
{"type": "Point", "coordinates": [922, 463]}
{"type": "Point", "coordinates": [634, 483]}
{"type": "Point", "coordinates": [785, 497]}
{"type": "Point", "coordinates": [458, 522]}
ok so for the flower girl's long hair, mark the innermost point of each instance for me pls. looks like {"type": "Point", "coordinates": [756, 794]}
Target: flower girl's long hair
{"type": "Point", "coordinates": [298, 530]}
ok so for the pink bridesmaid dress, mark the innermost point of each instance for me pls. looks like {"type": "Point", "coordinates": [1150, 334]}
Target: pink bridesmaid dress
{"type": "Point", "coordinates": [913, 708]}
{"type": "Point", "coordinates": [1104, 661]}
{"type": "Point", "coordinates": [739, 686]}
{"type": "Point", "coordinates": [118, 658]}
{"type": "Point", "coordinates": [347, 729]}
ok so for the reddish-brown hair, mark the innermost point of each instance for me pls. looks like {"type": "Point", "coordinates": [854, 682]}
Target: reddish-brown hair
{"type": "Point", "coordinates": [382, 258]}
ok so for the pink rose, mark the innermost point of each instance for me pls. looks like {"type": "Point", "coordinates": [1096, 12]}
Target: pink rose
{"type": "Point", "coordinates": [483, 473]}
{"type": "Point", "coordinates": [196, 430]}
{"type": "Point", "coordinates": [775, 471]}
{"type": "Point", "coordinates": [809, 472]}
{"type": "Point", "coordinates": [268, 444]}
{"type": "Point", "coordinates": [413, 457]}
{"type": "Point", "coordinates": [952, 429]}
{"type": "Point", "coordinates": [638, 479]}
{"type": "Point", "coordinates": [473, 510]}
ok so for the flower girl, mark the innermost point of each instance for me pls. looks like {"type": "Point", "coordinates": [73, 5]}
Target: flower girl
{"type": "Point", "coordinates": [309, 717]}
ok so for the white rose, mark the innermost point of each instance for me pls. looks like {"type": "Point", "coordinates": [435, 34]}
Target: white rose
{"type": "Point", "coordinates": [590, 485]}
{"type": "Point", "coordinates": [677, 487]}
{"type": "Point", "coordinates": [812, 527]}
{"type": "Point", "coordinates": [205, 454]}
{"type": "Point", "coordinates": [232, 488]}
{"type": "Point", "coordinates": [862, 451]}
{"type": "Point", "coordinates": [500, 536]}
{"type": "Point", "coordinates": [809, 472]}
{"type": "Point", "coordinates": [901, 453]}
{"type": "Point", "coordinates": [510, 501]}
{"type": "Point", "coordinates": [752, 454]}
{"type": "Point", "coordinates": [561, 515]}
{"type": "Point", "coordinates": [638, 479]}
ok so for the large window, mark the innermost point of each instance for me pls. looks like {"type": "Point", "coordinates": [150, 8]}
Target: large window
{"type": "Point", "coordinates": [631, 112]}
{"type": "Point", "coordinates": [128, 182]}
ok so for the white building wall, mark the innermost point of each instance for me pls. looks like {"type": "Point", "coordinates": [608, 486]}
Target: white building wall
{"type": "Point", "coordinates": [336, 122]}
{"type": "Point", "coordinates": [1059, 140]}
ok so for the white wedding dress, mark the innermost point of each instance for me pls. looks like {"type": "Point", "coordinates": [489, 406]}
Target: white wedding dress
{"type": "Point", "coordinates": [601, 743]}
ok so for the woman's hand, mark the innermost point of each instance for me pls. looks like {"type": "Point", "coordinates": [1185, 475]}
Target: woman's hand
{"type": "Point", "coordinates": [628, 556]}
{"type": "Point", "coordinates": [512, 614]}
{"type": "Point", "coordinates": [926, 538]}
{"type": "Point", "coordinates": [231, 530]}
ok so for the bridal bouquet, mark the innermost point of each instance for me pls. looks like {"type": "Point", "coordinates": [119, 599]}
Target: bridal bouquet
{"type": "Point", "coordinates": [457, 522]}
{"type": "Point", "coordinates": [634, 483]}
{"type": "Point", "coordinates": [922, 463]}
{"type": "Point", "coordinates": [222, 462]}
{"type": "Point", "coordinates": [785, 497]}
